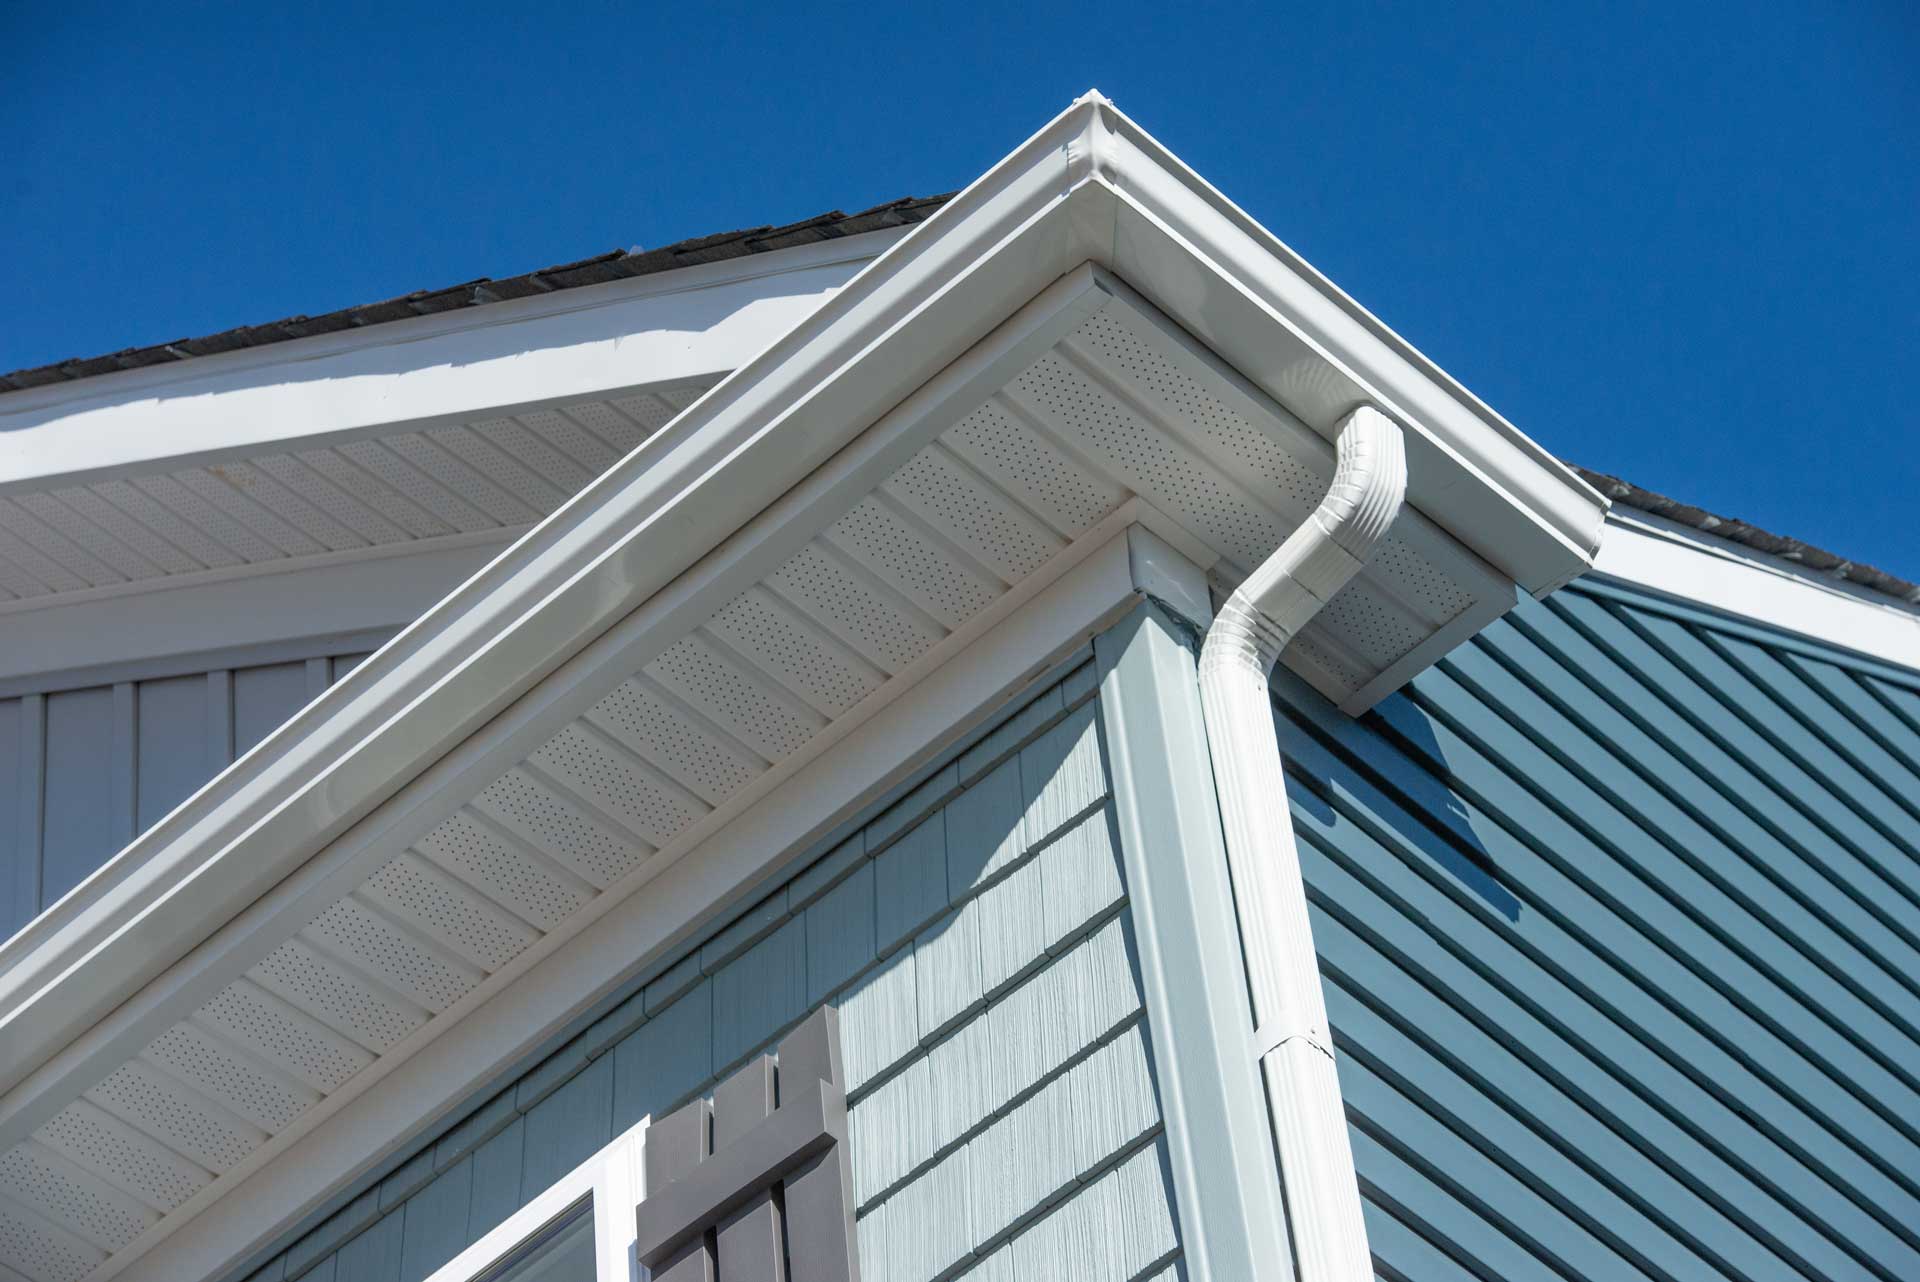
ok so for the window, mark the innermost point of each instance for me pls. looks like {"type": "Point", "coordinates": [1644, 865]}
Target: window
{"type": "Point", "coordinates": [579, 1230]}
{"type": "Point", "coordinates": [560, 1252]}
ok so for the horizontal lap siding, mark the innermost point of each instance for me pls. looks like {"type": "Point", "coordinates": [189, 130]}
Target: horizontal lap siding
{"type": "Point", "coordinates": [1619, 916]}
{"type": "Point", "coordinates": [82, 771]}
{"type": "Point", "coordinates": [1002, 1107]}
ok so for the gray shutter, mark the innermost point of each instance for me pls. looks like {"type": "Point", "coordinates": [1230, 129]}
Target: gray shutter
{"type": "Point", "coordinates": [760, 1179]}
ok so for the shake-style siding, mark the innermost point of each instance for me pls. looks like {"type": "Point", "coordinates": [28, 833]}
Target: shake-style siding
{"type": "Point", "coordinates": [84, 770]}
{"type": "Point", "coordinates": [1618, 910]}
{"type": "Point", "coordinates": [976, 938]}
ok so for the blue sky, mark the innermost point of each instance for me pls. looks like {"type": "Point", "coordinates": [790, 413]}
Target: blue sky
{"type": "Point", "coordinates": [1676, 242]}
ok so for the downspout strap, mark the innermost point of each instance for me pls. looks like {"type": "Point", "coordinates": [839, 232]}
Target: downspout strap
{"type": "Point", "coordinates": [1267, 1039]}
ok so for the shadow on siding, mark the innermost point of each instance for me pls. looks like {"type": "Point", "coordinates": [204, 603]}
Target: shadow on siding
{"type": "Point", "coordinates": [1343, 771]}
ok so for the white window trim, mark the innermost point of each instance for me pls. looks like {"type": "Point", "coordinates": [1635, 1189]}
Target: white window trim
{"type": "Point", "coordinates": [614, 1179]}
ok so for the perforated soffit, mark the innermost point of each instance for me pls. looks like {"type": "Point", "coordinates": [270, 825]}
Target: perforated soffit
{"type": "Point", "coordinates": [280, 508]}
{"type": "Point", "coordinates": [1116, 410]}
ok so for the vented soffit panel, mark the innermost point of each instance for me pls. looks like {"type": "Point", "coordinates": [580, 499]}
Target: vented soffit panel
{"type": "Point", "coordinates": [291, 504]}
{"type": "Point", "coordinates": [815, 534]}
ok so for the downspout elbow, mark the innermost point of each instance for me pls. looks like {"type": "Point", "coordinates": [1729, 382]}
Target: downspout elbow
{"type": "Point", "coordinates": [1331, 546]}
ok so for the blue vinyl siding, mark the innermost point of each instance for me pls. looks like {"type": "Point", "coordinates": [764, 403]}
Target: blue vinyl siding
{"type": "Point", "coordinates": [79, 828]}
{"type": "Point", "coordinates": [1618, 909]}
{"type": "Point", "coordinates": [83, 770]}
{"type": "Point", "coordinates": [1003, 1111]}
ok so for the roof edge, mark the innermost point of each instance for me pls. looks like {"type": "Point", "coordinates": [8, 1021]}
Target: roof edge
{"type": "Point", "coordinates": [599, 269]}
{"type": "Point", "coordinates": [1806, 557]}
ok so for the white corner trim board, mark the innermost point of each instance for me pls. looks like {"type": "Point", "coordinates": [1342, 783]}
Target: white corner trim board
{"type": "Point", "coordinates": [1698, 569]}
{"type": "Point", "coordinates": [694, 322]}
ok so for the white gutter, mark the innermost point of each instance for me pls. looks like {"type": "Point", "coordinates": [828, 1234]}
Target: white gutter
{"type": "Point", "coordinates": [1289, 1010]}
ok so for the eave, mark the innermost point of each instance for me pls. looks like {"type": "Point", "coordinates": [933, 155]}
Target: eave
{"type": "Point", "coordinates": [1088, 215]}
{"type": "Point", "coordinates": [692, 324]}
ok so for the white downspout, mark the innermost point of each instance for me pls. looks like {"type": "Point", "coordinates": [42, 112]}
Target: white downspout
{"type": "Point", "coordinates": [1289, 1010]}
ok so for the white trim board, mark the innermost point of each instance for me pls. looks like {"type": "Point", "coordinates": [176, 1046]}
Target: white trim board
{"type": "Point", "coordinates": [1698, 569]}
{"type": "Point", "coordinates": [319, 645]}
{"type": "Point", "coordinates": [694, 322]}
{"type": "Point", "coordinates": [354, 1129]}
{"type": "Point", "coordinates": [382, 589]}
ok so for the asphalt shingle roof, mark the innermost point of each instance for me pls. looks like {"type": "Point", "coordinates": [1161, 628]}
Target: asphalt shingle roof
{"type": "Point", "coordinates": [622, 264]}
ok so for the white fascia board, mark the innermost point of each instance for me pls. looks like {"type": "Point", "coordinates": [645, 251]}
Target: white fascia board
{"type": "Point", "coordinates": [382, 588]}
{"type": "Point", "coordinates": [712, 501]}
{"type": "Point", "coordinates": [1660, 556]}
{"type": "Point", "coordinates": [660, 906]}
{"type": "Point", "coordinates": [690, 323]}
{"type": "Point", "coordinates": [1292, 332]}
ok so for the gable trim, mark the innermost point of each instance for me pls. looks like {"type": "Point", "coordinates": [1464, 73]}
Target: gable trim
{"type": "Point", "coordinates": [631, 536]}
